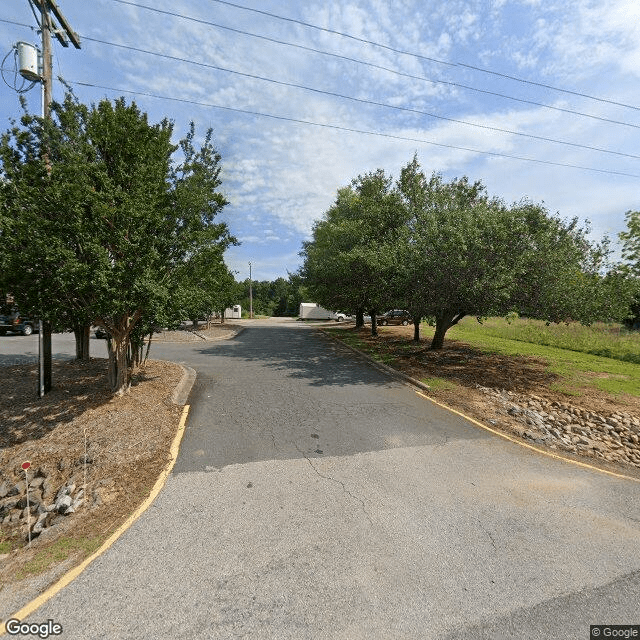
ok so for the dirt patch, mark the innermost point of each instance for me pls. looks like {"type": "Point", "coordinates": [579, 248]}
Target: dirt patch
{"type": "Point", "coordinates": [468, 367]}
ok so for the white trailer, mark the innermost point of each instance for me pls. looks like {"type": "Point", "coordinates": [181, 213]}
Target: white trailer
{"type": "Point", "coordinates": [313, 311]}
{"type": "Point", "coordinates": [233, 312]}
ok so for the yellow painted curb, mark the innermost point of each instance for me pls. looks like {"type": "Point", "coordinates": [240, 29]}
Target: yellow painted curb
{"type": "Point", "coordinates": [483, 426]}
{"type": "Point", "coordinates": [71, 575]}
{"type": "Point", "coordinates": [524, 444]}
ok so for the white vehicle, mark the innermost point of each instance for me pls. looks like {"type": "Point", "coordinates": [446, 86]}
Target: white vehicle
{"type": "Point", "coordinates": [233, 312]}
{"type": "Point", "coordinates": [313, 311]}
{"type": "Point", "coordinates": [340, 316]}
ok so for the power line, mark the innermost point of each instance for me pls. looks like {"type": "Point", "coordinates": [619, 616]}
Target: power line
{"type": "Point", "coordinates": [353, 130]}
{"type": "Point", "coordinates": [372, 65]}
{"type": "Point", "coordinates": [18, 24]}
{"type": "Point", "coordinates": [417, 55]}
{"type": "Point", "coordinates": [365, 101]}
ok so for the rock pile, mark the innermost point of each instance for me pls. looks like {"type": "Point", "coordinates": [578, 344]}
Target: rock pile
{"type": "Point", "coordinates": [614, 437]}
{"type": "Point", "coordinates": [47, 506]}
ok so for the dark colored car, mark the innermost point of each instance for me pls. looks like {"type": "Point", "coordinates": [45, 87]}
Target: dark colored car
{"type": "Point", "coordinates": [396, 316]}
{"type": "Point", "coordinates": [17, 323]}
{"type": "Point", "coordinates": [101, 334]}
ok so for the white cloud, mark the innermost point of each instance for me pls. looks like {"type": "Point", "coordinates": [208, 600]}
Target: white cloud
{"type": "Point", "coordinates": [280, 176]}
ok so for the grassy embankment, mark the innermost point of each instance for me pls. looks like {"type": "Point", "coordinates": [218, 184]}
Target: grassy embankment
{"type": "Point", "coordinates": [603, 356]}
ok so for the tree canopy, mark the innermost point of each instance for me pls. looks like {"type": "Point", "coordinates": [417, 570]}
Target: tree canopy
{"type": "Point", "coordinates": [100, 214]}
{"type": "Point", "coordinates": [445, 250]}
{"type": "Point", "coordinates": [349, 261]}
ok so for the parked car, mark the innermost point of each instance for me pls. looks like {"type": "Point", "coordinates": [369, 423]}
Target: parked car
{"type": "Point", "coordinates": [101, 333]}
{"type": "Point", "coordinates": [340, 316]}
{"type": "Point", "coordinates": [15, 322]}
{"type": "Point", "coordinates": [395, 316]}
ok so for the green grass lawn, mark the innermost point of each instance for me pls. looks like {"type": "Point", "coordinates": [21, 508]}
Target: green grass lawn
{"type": "Point", "coordinates": [602, 355]}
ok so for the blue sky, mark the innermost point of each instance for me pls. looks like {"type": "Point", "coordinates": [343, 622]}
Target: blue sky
{"type": "Point", "coordinates": [281, 175]}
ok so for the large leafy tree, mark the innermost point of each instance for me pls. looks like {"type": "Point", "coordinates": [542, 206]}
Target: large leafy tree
{"type": "Point", "coordinates": [105, 214]}
{"type": "Point", "coordinates": [467, 254]}
{"type": "Point", "coordinates": [350, 259]}
{"type": "Point", "coordinates": [630, 268]}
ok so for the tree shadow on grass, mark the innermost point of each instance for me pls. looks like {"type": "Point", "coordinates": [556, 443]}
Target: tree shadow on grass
{"type": "Point", "coordinates": [466, 365]}
{"type": "Point", "coordinates": [76, 387]}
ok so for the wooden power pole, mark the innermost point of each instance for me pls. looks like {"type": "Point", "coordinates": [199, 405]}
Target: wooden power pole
{"type": "Point", "coordinates": [48, 26]}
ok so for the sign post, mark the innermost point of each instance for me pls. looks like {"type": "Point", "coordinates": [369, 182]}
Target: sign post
{"type": "Point", "coordinates": [25, 466]}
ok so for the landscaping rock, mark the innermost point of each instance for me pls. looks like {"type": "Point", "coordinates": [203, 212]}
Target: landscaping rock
{"type": "Point", "coordinates": [615, 437]}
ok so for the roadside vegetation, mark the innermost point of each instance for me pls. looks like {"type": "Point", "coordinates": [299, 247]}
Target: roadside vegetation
{"type": "Point", "coordinates": [445, 251]}
{"type": "Point", "coordinates": [582, 357]}
{"type": "Point", "coordinates": [576, 359]}
{"type": "Point", "coordinates": [607, 339]}
{"type": "Point", "coordinates": [105, 221]}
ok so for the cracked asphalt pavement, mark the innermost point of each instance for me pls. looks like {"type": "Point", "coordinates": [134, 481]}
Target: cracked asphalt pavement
{"type": "Point", "coordinates": [316, 497]}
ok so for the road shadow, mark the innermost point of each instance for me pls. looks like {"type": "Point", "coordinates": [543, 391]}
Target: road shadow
{"type": "Point", "coordinates": [300, 353]}
{"type": "Point", "coordinates": [11, 360]}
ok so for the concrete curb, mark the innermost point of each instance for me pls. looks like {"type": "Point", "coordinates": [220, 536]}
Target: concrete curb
{"type": "Point", "coordinates": [181, 393]}
{"type": "Point", "coordinates": [72, 574]}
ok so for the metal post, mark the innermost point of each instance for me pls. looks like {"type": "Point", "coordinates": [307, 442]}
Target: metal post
{"type": "Point", "coordinates": [250, 294]}
{"type": "Point", "coordinates": [40, 360]}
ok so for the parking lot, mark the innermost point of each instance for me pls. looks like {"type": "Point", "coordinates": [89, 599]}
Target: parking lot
{"type": "Point", "coordinates": [17, 349]}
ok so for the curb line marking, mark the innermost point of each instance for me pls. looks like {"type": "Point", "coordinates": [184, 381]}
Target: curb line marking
{"type": "Point", "coordinates": [415, 383]}
{"type": "Point", "coordinates": [71, 575]}
{"type": "Point", "coordinates": [528, 446]}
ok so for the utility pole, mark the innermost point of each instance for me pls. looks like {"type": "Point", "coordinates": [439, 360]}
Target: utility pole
{"type": "Point", "coordinates": [250, 294]}
{"type": "Point", "coordinates": [47, 25]}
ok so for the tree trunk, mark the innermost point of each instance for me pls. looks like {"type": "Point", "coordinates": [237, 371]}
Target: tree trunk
{"type": "Point", "coordinates": [374, 323]}
{"type": "Point", "coordinates": [118, 369]}
{"type": "Point", "coordinates": [359, 319]}
{"type": "Point", "coordinates": [146, 355]}
{"type": "Point", "coordinates": [195, 323]}
{"type": "Point", "coordinates": [81, 333]}
{"type": "Point", "coordinates": [416, 328]}
{"type": "Point", "coordinates": [443, 323]}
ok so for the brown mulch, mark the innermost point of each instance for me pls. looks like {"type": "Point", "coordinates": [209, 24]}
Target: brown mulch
{"type": "Point", "coordinates": [127, 440]}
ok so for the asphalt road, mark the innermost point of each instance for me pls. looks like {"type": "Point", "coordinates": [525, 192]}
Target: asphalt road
{"type": "Point", "coordinates": [314, 497]}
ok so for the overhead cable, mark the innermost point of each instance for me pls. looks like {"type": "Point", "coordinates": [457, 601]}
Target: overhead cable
{"type": "Point", "coordinates": [413, 54]}
{"type": "Point", "coordinates": [353, 130]}
{"type": "Point", "coordinates": [373, 65]}
{"type": "Point", "coordinates": [334, 94]}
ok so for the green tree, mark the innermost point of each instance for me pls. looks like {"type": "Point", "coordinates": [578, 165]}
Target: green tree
{"type": "Point", "coordinates": [106, 216]}
{"type": "Point", "coordinates": [630, 268]}
{"type": "Point", "coordinates": [350, 259]}
{"type": "Point", "coordinates": [464, 253]}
